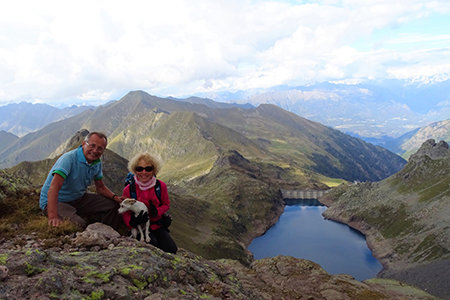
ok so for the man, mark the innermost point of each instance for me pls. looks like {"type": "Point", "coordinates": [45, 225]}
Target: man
{"type": "Point", "coordinates": [64, 195]}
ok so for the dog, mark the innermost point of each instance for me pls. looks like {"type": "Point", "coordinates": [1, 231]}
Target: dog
{"type": "Point", "coordinates": [136, 207]}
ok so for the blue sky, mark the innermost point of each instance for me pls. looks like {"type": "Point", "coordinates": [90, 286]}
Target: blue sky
{"type": "Point", "coordinates": [431, 32]}
{"type": "Point", "coordinates": [94, 51]}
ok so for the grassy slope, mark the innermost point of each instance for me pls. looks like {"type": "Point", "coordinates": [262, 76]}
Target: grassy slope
{"type": "Point", "coordinates": [289, 140]}
{"type": "Point", "coordinates": [236, 206]}
{"type": "Point", "coordinates": [186, 143]}
{"type": "Point", "coordinates": [280, 138]}
{"type": "Point", "coordinates": [310, 147]}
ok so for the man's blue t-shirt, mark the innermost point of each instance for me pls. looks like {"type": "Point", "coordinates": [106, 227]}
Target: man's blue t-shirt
{"type": "Point", "coordinates": [77, 174]}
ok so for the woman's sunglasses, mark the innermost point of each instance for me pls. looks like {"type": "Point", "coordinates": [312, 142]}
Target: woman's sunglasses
{"type": "Point", "coordinates": [147, 169]}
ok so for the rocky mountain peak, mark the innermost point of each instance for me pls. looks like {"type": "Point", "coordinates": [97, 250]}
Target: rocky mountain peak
{"type": "Point", "coordinates": [78, 137]}
{"type": "Point", "coordinates": [432, 149]}
{"type": "Point", "coordinates": [231, 157]}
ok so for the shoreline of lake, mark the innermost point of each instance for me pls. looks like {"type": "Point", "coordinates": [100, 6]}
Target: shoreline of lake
{"type": "Point", "coordinates": [422, 276]}
{"type": "Point", "coordinates": [302, 232]}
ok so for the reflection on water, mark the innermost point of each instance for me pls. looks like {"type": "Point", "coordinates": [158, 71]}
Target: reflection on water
{"type": "Point", "coordinates": [302, 232]}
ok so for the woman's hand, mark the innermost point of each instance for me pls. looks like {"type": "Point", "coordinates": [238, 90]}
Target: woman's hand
{"type": "Point", "coordinates": [153, 210]}
{"type": "Point", "coordinates": [141, 218]}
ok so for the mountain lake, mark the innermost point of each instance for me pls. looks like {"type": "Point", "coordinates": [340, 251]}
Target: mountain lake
{"type": "Point", "coordinates": [302, 232]}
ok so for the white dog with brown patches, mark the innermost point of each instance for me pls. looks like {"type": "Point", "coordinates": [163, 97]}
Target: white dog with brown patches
{"type": "Point", "coordinates": [136, 207]}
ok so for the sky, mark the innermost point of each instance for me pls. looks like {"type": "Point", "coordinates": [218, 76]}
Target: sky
{"type": "Point", "coordinates": [89, 52]}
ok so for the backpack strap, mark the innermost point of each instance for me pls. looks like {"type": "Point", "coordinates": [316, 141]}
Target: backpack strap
{"type": "Point", "coordinates": [158, 190]}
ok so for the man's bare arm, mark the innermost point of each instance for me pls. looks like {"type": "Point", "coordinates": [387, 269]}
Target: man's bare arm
{"type": "Point", "coordinates": [52, 200]}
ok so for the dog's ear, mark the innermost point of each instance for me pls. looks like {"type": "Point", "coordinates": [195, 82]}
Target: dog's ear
{"type": "Point", "coordinates": [129, 201]}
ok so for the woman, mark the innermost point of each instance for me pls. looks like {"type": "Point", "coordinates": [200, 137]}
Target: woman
{"type": "Point", "coordinates": [145, 168]}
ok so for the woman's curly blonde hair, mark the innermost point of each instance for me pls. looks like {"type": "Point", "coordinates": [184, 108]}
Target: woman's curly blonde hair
{"type": "Point", "coordinates": [150, 161]}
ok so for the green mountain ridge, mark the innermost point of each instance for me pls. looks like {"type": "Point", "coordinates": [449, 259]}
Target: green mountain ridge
{"type": "Point", "coordinates": [198, 142]}
{"type": "Point", "coordinates": [277, 136]}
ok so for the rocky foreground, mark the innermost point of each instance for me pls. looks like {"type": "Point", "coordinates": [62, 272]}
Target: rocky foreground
{"type": "Point", "coordinates": [100, 264]}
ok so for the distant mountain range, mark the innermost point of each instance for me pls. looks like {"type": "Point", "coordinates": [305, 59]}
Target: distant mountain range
{"type": "Point", "coordinates": [371, 110]}
{"type": "Point", "coordinates": [22, 118]}
{"type": "Point", "coordinates": [180, 131]}
{"type": "Point", "coordinates": [409, 143]}
{"type": "Point", "coordinates": [384, 113]}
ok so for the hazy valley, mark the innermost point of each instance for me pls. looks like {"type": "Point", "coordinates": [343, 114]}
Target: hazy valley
{"type": "Point", "coordinates": [372, 109]}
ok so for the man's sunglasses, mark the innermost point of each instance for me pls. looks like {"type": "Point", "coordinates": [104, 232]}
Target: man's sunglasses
{"type": "Point", "coordinates": [147, 169]}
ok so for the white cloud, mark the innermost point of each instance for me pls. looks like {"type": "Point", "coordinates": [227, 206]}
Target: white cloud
{"type": "Point", "coordinates": [55, 51]}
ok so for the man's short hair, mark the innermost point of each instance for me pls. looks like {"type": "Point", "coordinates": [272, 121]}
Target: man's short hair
{"type": "Point", "coordinates": [99, 134]}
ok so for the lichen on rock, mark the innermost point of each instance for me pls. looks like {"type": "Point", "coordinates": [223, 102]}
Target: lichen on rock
{"type": "Point", "coordinates": [90, 268]}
